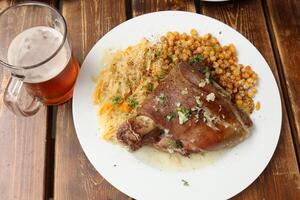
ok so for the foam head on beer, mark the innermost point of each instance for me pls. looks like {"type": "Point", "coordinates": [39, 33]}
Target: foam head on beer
{"type": "Point", "coordinates": [35, 45]}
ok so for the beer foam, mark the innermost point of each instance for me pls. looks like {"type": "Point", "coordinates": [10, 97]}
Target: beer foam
{"type": "Point", "coordinates": [35, 45]}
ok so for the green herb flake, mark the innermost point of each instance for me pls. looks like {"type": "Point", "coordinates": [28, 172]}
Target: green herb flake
{"type": "Point", "coordinates": [116, 100]}
{"type": "Point", "coordinates": [161, 99]}
{"type": "Point", "coordinates": [170, 116]}
{"type": "Point", "coordinates": [196, 59]}
{"type": "Point", "coordinates": [183, 114]}
{"type": "Point", "coordinates": [150, 87]}
{"type": "Point", "coordinates": [173, 144]}
{"type": "Point", "coordinates": [185, 183]}
{"type": "Point", "coordinates": [132, 102]}
{"type": "Point", "coordinates": [205, 69]}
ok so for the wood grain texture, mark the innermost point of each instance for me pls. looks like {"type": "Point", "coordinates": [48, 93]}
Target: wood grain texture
{"type": "Point", "coordinates": [75, 178]}
{"type": "Point", "coordinates": [281, 179]}
{"type": "Point", "coordinates": [284, 18]}
{"type": "Point", "coordinates": [23, 148]}
{"type": "Point", "coordinates": [145, 6]}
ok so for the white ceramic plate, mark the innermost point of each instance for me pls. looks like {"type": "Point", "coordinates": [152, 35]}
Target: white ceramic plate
{"type": "Point", "coordinates": [132, 174]}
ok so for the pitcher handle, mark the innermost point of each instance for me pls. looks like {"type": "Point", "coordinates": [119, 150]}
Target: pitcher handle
{"type": "Point", "coordinates": [11, 98]}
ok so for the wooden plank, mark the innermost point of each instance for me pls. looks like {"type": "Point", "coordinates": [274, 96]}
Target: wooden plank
{"type": "Point", "coordinates": [145, 6]}
{"type": "Point", "coordinates": [75, 177]}
{"type": "Point", "coordinates": [23, 148]}
{"type": "Point", "coordinates": [284, 18]}
{"type": "Point", "coordinates": [281, 178]}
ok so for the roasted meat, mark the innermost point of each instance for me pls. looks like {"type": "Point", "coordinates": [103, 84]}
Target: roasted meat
{"type": "Point", "coordinates": [187, 113]}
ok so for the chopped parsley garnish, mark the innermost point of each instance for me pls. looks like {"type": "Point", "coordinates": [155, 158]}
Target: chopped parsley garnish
{"type": "Point", "coordinates": [196, 59]}
{"type": "Point", "coordinates": [204, 69]}
{"type": "Point", "coordinates": [150, 87]}
{"type": "Point", "coordinates": [173, 144]}
{"type": "Point", "coordinates": [132, 102]}
{"type": "Point", "coordinates": [183, 114]}
{"type": "Point", "coordinates": [161, 99]}
{"type": "Point", "coordinates": [185, 183]}
{"type": "Point", "coordinates": [208, 78]}
{"type": "Point", "coordinates": [170, 116]}
{"type": "Point", "coordinates": [116, 100]}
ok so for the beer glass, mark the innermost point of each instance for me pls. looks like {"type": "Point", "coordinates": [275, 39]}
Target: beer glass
{"type": "Point", "coordinates": [35, 50]}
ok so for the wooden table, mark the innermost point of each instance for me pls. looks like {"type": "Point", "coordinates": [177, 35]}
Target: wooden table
{"type": "Point", "coordinates": [40, 156]}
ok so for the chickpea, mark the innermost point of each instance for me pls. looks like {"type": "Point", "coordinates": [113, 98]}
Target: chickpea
{"type": "Point", "coordinates": [251, 93]}
{"type": "Point", "coordinates": [185, 57]}
{"type": "Point", "coordinates": [171, 42]}
{"type": "Point", "coordinates": [190, 42]}
{"type": "Point", "coordinates": [176, 60]}
{"type": "Point", "coordinates": [183, 36]}
{"type": "Point", "coordinates": [232, 48]}
{"type": "Point", "coordinates": [254, 76]}
{"type": "Point", "coordinates": [215, 64]}
{"type": "Point", "coordinates": [245, 75]}
{"type": "Point", "coordinates": [227, 56]}
{"type": "Point", "coordinates": [213, 58]}
{"type": "Point", "coordinates": [221, 56]}
{"type": "Point", "coordinates": [248, 68]}
{"type": "Point", "coordinates": [194, 32]}
{"type": "Point", "coordinates": [192, 47]}
{"type": "Point", "coordinates": [165, 46]}
{"type": "Point", "coordinates": [246, 86]}
{"type": "Point", "coordinates": [236, 72]}
{"type": "Point", "coordinates": [219, 71]}
{"type": "Point", "coordinates": [189, 52]}
{"type": "Point", "coordinates": [169, 34]}
{"type": "Point", "coordinates": [162, 38]}
{"type": "Point", "coordinates": [230, 86]}
{"type": "Point", "coordinates": [213, 41]}
{"type": "Point", "coordinates": [176, 35]}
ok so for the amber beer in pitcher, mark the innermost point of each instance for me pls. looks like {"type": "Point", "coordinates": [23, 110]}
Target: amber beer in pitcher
{"type": "Point", "coordinates": [53, 81]}
{"type": "Point", "coordinates": [36, 51]}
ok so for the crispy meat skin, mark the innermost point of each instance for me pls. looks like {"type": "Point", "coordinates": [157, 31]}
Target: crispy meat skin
{"type": "Point", "coordinates": [228, 127]}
